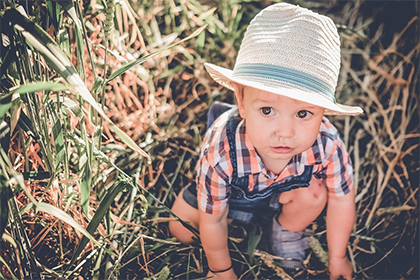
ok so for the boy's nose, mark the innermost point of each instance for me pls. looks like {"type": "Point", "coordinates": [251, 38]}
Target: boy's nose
{"type": "Point", "coordinates": [285, 130]}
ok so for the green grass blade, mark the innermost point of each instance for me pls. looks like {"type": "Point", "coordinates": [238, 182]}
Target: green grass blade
{"type": "Point", "coordinates": [85, 184]}
{"type": "Point", "coordinates": [29, 267]}
{"type": "Point", "coordinates": [17, 179]}
{"type": "Point", "coordinates": [26, 124]}
{"type": "Point", "coordinates": [59, 61]}
{"type": "Point", "coordinates": [126, 67]}
{"type": "Point", "coordinates": [39, 86]}
{"type": "Point", "coordinates": [56, 16]}
{"type": "Point", "coordinates": [99, 215]}
{"type": "Point", "coordinates": [70, 9]}
{"type": "Point", "coordinates": [68, 6]}
{"type": "Point", "coordinates": [63, 216]}
{"type": "Point", "coordinates": [57, 133]}
{"type": "Point", "coordinates": [63, 41]}
{"type": "Point", "coordinates": [253, 241]}
{"type": "Point", "coordinates": [72, 106]}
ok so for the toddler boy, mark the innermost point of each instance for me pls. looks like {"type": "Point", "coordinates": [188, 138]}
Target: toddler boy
{"type": "Point", "coordinates": [276, 147]}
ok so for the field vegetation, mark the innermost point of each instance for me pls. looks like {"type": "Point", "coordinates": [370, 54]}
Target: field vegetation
{"type": "Point", "coordinates": [103, 107]}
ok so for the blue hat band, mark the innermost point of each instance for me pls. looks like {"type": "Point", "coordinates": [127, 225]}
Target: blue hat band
{"type": "Point", "coordinates": [284, 74]}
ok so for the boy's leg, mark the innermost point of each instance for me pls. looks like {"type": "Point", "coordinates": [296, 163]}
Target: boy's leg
{"type": "Point", "coordinates": [302, 206]}
{"type": "Point", "coordinates": [186, 213]}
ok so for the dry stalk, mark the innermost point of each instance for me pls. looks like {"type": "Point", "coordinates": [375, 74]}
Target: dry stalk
{"type": "Point", "coordinates": [268, 260]}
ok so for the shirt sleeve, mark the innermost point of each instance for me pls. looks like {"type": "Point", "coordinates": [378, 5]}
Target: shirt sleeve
{"type": "Point", "coordinates": [212, 175]}
{"type": "Point", "coordinates": [337, 167]}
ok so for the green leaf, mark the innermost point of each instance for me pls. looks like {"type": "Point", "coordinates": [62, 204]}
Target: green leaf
{"type": "Point", "coordinates": [126, 67]}
{"type": "Point", "coordinates": [63, 41]}
{"type": "Point", "coordinates": [253, 241]}
{"type": "Point", "coordinates": [176, 69]}
{"type": "Point", "coordinates": [201, 39]}
{"type": "Point", "coordinates": [68, 6]}
{"type": "Point", "coordinates": [58, 142]}
{"type": "Point", "coordinates": [164, 273]}
{"type": "Point", "coordinates": [26, 124]}
{"type": "Point", "coordinates": [59, 61]}
{"type": "Point", "coordinates": [57, 133]}
{"type": "Point", "coordinates": [85, 185]}
{"type": "Point", "coordinates": [39, 86]}
{"type": "Point", "coordinates": [97, 86]}
{"type": "Point", "coordinates": [8, 238]}
{"type": "Point", "coordinates": [17, 179]}
{"type": "Point", "coordinates": [63, 216]}
{"type": "Point", "coordinates": [73, 106]}
{"type": "Point", "coordinates": [54, 12]}
{"type": "Point", "coordinates": [99, 215]}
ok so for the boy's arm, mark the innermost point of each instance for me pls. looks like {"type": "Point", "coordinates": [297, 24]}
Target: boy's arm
{"type": "Point", "coordinates": [340, 221]}
{"type": "Point", "coordinates": [214, 238]}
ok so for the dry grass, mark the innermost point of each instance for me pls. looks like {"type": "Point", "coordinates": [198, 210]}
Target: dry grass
{"type": "Point", "coordinates": [162, 105]}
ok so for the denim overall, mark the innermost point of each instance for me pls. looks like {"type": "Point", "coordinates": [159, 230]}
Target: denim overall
{"type": "Point", "coordinates": [243, 204]}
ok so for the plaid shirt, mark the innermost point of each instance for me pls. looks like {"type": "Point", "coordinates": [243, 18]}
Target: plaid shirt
{"type": "Point", "coordinates": [328, 156]}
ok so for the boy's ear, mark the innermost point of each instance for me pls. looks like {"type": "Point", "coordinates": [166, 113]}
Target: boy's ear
{"type": "Point", "coordinates": [239, 94]}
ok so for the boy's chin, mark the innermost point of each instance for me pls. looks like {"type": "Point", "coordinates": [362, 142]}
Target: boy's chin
{"type": "Point", "coordinates": [274, 158]}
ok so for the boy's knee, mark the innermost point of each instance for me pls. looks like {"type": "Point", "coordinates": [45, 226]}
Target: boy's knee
{"type": "Point", "coordinates": [315, 194]}
{"type": "Point", "coordinates": [188, 214]}
{"type": "Point", "coordinates": [177, 230]}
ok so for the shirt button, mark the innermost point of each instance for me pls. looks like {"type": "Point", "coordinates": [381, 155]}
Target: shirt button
{"type": "Point", "coordinates": [206, 148]}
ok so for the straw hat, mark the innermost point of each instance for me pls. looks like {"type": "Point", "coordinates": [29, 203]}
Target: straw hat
{"type": "Point", "coordinates": [291, 51]}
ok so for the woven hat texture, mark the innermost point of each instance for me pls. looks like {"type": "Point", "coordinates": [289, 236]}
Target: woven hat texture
{"type": "Point", "coordinates": [291, 51]}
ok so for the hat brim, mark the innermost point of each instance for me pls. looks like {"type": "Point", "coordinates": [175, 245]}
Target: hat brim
{"type": "Point", "coordinates": [225, 77]}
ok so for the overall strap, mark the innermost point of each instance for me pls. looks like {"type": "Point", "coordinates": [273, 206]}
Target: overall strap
{"type": "Point", "coordinates": [231, 127]}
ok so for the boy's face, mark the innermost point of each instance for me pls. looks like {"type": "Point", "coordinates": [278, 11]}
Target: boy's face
{"type": "Point", "coordinates": [278, 127]}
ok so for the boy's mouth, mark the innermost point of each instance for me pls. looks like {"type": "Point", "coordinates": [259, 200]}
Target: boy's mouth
{"type": "Point", "coordinates": [282, 149]}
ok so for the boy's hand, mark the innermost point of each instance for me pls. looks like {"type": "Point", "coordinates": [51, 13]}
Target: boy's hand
{"type": "Point", "coordinates": [227, 275]}
{"type": "Point", "coordinates": [340, 267]}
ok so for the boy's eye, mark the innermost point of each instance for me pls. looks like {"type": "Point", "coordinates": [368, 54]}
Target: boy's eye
{"type": "Point", "coordinates": [267, 111]}
{"type": "Point", "coordinates": [304, 114]}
